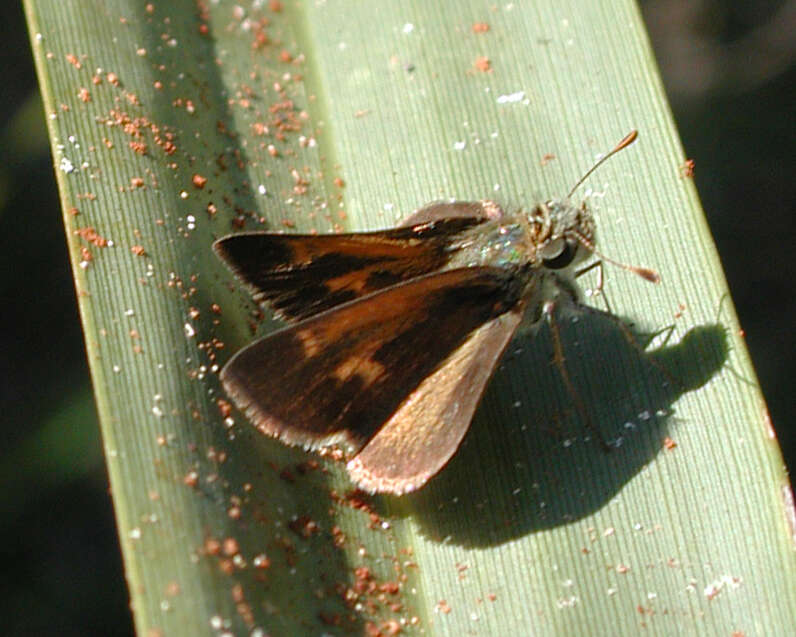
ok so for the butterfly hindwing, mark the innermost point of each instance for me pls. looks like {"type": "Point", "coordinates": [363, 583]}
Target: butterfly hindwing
{"type": "Point", "coordinates": [425, 431]}
{"type": "Point", "coordinates": [302, 275]}
{"type": "Point", "coordinates": [341, 375]}
{"type": "Point", "coordinates": [438, 210]}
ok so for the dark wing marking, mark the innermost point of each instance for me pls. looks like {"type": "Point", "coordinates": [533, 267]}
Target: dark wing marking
{"type": "Point", "coordinates": [339, 376]}
{"type": "Point", "coordinates": [303, 275]}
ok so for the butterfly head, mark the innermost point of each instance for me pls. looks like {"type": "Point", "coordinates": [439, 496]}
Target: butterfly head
{"type": "Point", "coordinates": [564, 233]}
{"type": "Point", "coordinates": [567, 232]}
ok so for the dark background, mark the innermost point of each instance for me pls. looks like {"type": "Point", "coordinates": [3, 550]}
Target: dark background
{"type": "Point", "coordinates": [728, 70]}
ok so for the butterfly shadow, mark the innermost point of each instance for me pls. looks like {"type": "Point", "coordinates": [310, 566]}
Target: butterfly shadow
{"type": "Point", "coordinates": [529, 461]}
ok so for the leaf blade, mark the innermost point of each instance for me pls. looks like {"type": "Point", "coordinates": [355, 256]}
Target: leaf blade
{"type": "Point", "coordinates": [406, 121]}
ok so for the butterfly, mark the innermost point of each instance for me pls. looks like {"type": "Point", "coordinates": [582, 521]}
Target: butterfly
{"type": "Point", "coordinates": [393, 335]}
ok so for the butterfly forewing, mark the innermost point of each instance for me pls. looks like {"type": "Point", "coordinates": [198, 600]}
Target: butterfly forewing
{"type": "Point", "coordinates": [302, 275]}
{"type": "Point", "coordinates": [341, 375]}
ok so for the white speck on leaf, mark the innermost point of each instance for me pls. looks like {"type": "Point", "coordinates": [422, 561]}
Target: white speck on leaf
{"type": "Point", "coordinates": [511, 98]}
{"type": "Point", "coordinates": [66, 166]}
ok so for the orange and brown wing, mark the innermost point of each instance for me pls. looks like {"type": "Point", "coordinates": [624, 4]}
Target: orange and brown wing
{"type": "Point", "coordinates": [340, 376]}
{"type": "Point", "coordinates": [303, 275]}
{"type": "Point", "coordinates": [425, 431]}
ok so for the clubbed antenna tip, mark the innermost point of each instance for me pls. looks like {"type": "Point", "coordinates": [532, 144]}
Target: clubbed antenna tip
{"type": "Point", "coordinates": [626, 141]}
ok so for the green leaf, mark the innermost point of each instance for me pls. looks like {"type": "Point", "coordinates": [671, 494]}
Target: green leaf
{"type": "Point", "coordinates": [531, 527]}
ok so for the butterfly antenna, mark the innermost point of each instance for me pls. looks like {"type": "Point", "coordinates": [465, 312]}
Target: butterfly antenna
{"type": "Point", "coordinates": [645, 273]}
{"type": "Point", "coordinates": [626, 141]}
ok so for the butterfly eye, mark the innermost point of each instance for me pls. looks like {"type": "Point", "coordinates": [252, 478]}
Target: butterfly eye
{"type": "Point", "coordinates": [566, 254]}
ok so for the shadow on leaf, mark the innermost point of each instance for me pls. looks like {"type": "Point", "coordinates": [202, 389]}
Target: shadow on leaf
{"type": "Point", "coordinates": [529, 462]}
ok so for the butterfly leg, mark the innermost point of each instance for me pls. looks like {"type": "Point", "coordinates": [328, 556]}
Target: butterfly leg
{"type": "Point", "coordinates": [599, 288]}
{"type": "Point", "coordinates": [623, 327]}
{"type": "Point", "coordinates": [560, 361]}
